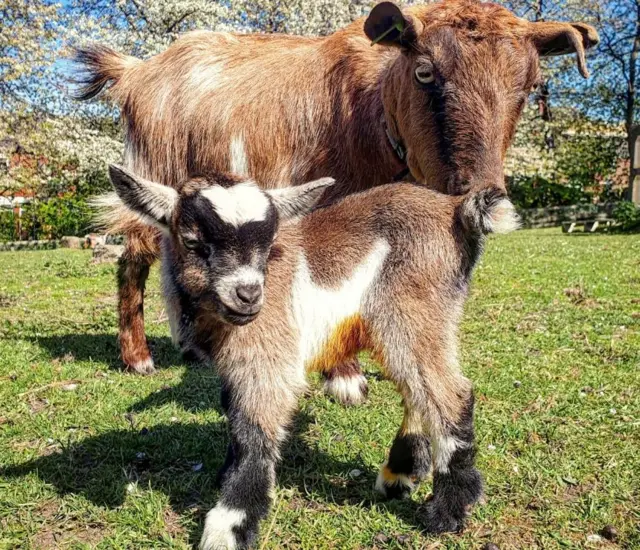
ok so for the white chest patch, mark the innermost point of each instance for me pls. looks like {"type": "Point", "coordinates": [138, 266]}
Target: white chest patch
{"type": "Point", "coordinates": [318, 311]}
{"type": "Point", "coordinates": [238, 204]}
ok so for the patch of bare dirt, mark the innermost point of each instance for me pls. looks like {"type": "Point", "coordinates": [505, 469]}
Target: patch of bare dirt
{"type": "Point", "coordinates": [56, 531]}
{"type": "Point", "coordinates": [578, 296]}
{"type": "Point", "coordinates": [172, 524]}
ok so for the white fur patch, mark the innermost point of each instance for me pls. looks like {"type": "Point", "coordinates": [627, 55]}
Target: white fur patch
{"type": "Point", "coordinates": [144, 367]}
{"type": "Point", "coordinates": [239, 204]}
{"type": "Point", "coordinates": [218, 528]}
{"type": "Point", "coordinates": [318, 310]}
{"type": "Point", "coordinates": [443, 449]}
{"type": "Point", "coordinates": [238, 157]}
{"type": "Point", "coordinates": [503, 217]}
{"type": "Point", "coordinates": [205, 77]}
{"type": "Point", "coordinates": [381, 485]}
{"type": "Point", "coordinates": [347, 389]}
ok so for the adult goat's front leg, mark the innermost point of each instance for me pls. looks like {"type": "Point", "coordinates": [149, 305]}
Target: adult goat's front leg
{"type": "Point", "coordinates": [346, 383]}
{"type": "Point", "coordinates": [141, 251]}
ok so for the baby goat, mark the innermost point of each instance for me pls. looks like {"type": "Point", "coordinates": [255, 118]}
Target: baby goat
{"type": "Point", "coordinates": [386, 270]}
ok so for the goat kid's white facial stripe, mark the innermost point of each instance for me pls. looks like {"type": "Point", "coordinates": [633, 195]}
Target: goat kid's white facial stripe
{"type": "Point", "coordinates": [244, 275]}
{"type": "Point", "coordinates": [239, 204]}
{"type": "Point", "coordinates": [319, 310]}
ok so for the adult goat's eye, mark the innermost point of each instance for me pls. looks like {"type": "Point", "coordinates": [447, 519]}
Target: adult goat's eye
{"type": "Point", "coordinates": [425, 74]}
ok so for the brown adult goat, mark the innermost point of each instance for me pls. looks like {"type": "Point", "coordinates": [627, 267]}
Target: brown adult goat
{"type": "Point", "coordinates": [439, 95]}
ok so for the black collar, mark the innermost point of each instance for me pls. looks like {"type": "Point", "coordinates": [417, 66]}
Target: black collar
{"type": "Point", "coordinates": [400, 150]}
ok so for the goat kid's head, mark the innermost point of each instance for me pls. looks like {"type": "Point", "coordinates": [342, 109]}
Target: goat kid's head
{"type": "Point", "coordinates": [465, 71]}
{"type": "Point", "coordinates": [221, 229]}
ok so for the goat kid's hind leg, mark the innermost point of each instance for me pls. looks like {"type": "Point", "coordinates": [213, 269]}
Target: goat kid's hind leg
{"type": "Point", "coordinates": [141, 250]}
{"type": "Point", "coordinates": [409, 459]}
{"type": "Point", "coordinates": [434, 387]}
{"type": "Point", "coordinates": [457, 484]}
{"type": "Point", "coordinates": [346, 383]}
{"type": "Point", "coordinates": [180, 314]}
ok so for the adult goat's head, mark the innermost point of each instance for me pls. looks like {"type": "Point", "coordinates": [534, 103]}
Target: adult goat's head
{"type": "Point", "coordinates": [455, 93]}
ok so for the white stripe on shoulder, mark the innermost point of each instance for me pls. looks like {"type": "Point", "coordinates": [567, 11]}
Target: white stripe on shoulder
{"type": "Point", "coordinates": [237, 153]}
{"type": "Point", "coordinates": [318, 310]}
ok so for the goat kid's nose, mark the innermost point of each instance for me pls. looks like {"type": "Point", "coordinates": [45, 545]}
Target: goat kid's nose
{"type": "Point", "coordinates": [249, 294]}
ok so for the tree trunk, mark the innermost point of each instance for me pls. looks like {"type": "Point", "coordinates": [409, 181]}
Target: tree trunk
{"type": "Point", "coordinates": [634, 185]}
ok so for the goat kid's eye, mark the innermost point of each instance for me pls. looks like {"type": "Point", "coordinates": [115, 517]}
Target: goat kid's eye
{"type": "Point", "coordinates": [425, 74]}
{"type": "Point", "coordinates": [191, 244]}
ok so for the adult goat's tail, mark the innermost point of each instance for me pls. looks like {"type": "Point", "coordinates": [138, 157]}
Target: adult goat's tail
{"type": "Point", "coordinates": [489, 211]}
{"type": "Point", "coordinates": [99, 66]}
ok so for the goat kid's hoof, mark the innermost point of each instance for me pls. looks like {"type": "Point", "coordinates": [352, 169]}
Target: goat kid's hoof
{"type": "Point", "coordinates": [436, 520]}
{"type": "Point", "coordinates": [226, 529]}
{"type": "Point", "coordinates": [392, 485]}
{"type": "Point", "coordinates": [348, 390]}
{"type": "Point", "coordinates": [144, 367]}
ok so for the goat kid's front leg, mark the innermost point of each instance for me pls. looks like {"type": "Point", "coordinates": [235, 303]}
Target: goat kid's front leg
{"type": "Point", "coordinates": [247, 478]}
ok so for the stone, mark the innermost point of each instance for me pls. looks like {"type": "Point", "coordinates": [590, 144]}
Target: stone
{"type": "Point", "coordinates": [71, 242]}
{"type": "Point", "coordinates": [92, 240]}
{"type": "Point", "coordinates": [107, 253]}
{"type": "Point", "coordinates": [610, 533]}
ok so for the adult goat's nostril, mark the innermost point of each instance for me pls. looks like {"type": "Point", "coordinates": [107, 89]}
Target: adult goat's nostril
{"type": "Point", "coordinates": [249, 294]}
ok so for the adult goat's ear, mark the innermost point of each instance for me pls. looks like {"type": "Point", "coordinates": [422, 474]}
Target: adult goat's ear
{"type": "Point", "coordinates": [387, 25]}
{"type": "Point", "coordinates": [291, 202]}
{"type": "Point", "coordinates": [154, 203]}
{"type": "Point", "coordinates": [564, 38]}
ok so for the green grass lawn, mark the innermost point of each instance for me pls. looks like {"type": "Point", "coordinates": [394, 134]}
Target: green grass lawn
{"type": "Point", "coordinates": [93, 457]}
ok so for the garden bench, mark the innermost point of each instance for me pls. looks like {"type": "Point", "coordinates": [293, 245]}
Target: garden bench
{"type": "Point", "coordinates": [589, 226]}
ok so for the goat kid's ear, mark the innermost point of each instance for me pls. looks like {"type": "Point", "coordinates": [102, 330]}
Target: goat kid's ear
{"type": "Point", "coordinates": [387, 25]}
{"type": "Point", "coordinates": [552, 38]}
{"type": "Point", "coordinates": [291, 202]}
{"type": "Point", "coordinates": [154, 203]}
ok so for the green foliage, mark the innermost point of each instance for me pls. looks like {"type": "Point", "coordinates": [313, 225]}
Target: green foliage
{"type": "Point", "coordinates": [628, 215]}
{"type": "Point", "coordinates": [538, 192]}
{"type": "Point", "coordinates": [54, 218]}
{"type": "Point", "coordinates": [7, 225]}
{"type": "Point", "coordinates": [585, 159]}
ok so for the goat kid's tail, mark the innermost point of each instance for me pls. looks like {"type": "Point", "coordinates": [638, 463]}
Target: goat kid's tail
{"type": "Point", "coordinates": [489, 211]}
{"type": "Point", "coordinates": [99, 66]}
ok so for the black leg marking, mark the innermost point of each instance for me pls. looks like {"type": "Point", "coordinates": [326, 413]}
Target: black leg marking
{"type": "Point", "coordinates": [247, 479]}
{"type": "Point", "coordinates": [457, 484]}
{"type": "Point", "coordinates": [409, 463]}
